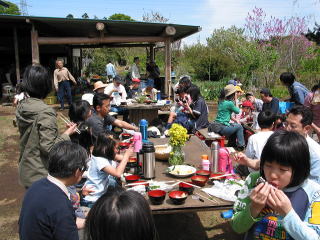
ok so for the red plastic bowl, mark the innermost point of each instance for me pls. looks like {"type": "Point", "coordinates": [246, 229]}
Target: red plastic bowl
{"type": "Point", "coordinates": [126, 136]}
{"type": "Point", "coordinates": [217, 175]}
{"type": "Point", "coordinates": [186, 188]}
{"type": "Point", "coordinates": [204, 173]}
{"type": "Point", "coordinates": [178, 197]}
{"type": "Point", "coordinates": [124, 145]}
{"type": "Point", "coordinates": [199, 180]}
{"type": "Point", "coordinates": [157, 196]}
{"type": "Point", "coordinates": [132, 178]}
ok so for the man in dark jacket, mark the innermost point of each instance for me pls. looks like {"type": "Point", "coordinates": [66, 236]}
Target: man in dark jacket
{"type": "Point", "coordinates": [47, 212]}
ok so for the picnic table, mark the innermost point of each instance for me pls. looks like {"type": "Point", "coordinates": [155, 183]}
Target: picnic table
{"type": "Point", "coordinates": [193, 149]}
{"type": "Point", "coordinates": [138, 111]}
{"type": "Point", "coordinates": [203, 135]}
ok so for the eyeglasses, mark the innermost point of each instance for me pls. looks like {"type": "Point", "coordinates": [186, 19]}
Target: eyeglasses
{"type": "Point", "coordinates": [83, 169]}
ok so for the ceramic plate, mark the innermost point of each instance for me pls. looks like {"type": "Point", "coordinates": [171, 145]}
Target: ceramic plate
{"type": "Point", "coordinates": [181, 170]}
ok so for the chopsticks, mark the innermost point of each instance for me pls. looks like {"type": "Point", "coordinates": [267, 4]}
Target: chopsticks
{"type": "Point", "coordinates": [199, 195]}
{"type": "Point", "coordinates": [225, 175]}
{"type": "Point", "coordinates": [191, 184]}
{"type": "Point", "coordinates": [67, 121]}
{"type": "Point", "coordinates": [141, 183]}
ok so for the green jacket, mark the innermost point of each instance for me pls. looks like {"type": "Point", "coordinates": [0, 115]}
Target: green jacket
{"type": "Point", "coordinates": [225, 109]}
{"type": "Point", "coordinates": [37, 123]}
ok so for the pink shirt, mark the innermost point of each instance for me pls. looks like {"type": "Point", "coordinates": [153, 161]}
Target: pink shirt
{"type": "Point", "coordinates": [315, 108]}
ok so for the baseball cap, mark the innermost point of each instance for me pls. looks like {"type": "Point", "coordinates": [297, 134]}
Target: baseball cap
{"type": "Point", "coordinates": [118, 79]}
{"type": "Point", "coordinates": [137, 80]}
{"type": "Point", "coordinates": [266, 92]}
{"type": "Point", "coordinates": [247, 104]}
{"type": "Point", "coordinates": [233, 82]}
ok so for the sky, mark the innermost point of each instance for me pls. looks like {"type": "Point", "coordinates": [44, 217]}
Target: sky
{"type": "Point", "coordinates": [208, 14]}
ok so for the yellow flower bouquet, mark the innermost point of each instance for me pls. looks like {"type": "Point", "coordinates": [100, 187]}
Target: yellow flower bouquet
{"type": "Point", "coordinates": [178, 137]}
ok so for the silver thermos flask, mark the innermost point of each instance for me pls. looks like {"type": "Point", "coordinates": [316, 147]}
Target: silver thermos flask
{"type": "Point", "coordinates": [214, 157]}
{"type": "Point", "coordinates": [149, 161]}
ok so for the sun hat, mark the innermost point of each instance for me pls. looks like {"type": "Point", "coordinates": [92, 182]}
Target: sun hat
{"type": "Point", "coordinates": [137, 80]}
{"type": "Point", "coordinates": [98, 85]}
{"type": "Point", "coordinates": [229, 89]}
{"type": "Point", "coordinates": [247, 104]}
{"type": "Point", "coordinates": [239, 89]}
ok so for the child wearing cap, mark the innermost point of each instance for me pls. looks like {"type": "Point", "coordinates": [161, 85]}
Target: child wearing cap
{"type": "Point", "coordinates": [134, 89]}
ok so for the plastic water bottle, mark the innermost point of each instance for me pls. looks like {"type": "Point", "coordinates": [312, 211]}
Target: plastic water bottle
{"type": "Point", "coordinates": [205, 162]}
{"type": "Point", "coordinates": [143, 129]}
{"type": "Point", "coordinates": [158, 95]}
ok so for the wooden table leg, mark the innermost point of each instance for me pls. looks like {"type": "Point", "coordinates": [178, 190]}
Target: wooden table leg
{"type": "Point", "coordinates": [136, 115]}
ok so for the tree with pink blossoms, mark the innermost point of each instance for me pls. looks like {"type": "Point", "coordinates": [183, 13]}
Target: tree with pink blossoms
{"type": "Point", "coordinates": [281, 42]}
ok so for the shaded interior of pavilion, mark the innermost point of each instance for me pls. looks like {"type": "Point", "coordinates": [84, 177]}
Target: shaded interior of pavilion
{"type": "Point", "coordinates": [26, 39]}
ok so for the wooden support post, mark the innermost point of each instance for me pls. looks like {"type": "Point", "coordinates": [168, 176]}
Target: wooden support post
{"type": "Point", "coordinates": [16, 53]}
{"type": "Point", "coordinates": [35, 46]}
{"type": "Point", "coordinates": [168, 67]}
{"type": "Point", "coordinates": [152, 53]}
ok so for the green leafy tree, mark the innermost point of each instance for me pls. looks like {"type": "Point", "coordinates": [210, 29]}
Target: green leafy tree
{"type": "Point", "coordinates": [13, 9]}
{"type": "Point", "coordinates": [120, 16]}
{"type": "Point", "coordinates": [85, 16]}
{"type": "Point", "coordinates": [69, 16]}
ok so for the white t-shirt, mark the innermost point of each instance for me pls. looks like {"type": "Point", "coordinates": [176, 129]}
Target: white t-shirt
{"type": "Point", "coordinates": [314, 149]}
{"type": "Point", "coordinates": [120, 89]}
{"type": "Point", "coordinates": [97, 179]}
{"type": "Point", "coordinates": [256, 144]}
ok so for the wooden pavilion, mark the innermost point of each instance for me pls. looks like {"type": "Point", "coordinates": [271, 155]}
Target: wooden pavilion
{"type": "Point", "coordinates": [27, 39]}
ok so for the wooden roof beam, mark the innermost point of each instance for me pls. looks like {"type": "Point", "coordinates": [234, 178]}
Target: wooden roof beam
{"type": "Point", "coordinates": [83, 40]}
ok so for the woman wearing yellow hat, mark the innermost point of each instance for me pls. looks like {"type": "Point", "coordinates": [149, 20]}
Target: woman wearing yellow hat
{"type": "Point", "coordinates": [226, 106]}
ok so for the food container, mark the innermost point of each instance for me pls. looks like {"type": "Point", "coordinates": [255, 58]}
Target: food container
{"type": "Point", "coordinates": [185, 187]}
{"type": "Point", "coordinates": [204, 173]}
{"type": "Point", "coordinates": [162, 152]}
{"type": "Point", "coordinates": [132, 178]}
{"type": "Point", "coordinates": [199, 180]}
{"type": "Point", "coordinates": [178, 197]}
{"type": "Point", "coordinates": [157, 196]}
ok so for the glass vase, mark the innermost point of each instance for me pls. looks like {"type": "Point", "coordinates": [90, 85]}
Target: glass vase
{"type": "Point", "coordinates": [176, 156]}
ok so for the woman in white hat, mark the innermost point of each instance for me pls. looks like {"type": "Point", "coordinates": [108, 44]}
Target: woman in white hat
{"type": "Point", "coordinates": [227, 106]}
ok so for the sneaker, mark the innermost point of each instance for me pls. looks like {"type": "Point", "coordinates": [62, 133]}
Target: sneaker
{"type": "Point", "coordinates": [61, 109]}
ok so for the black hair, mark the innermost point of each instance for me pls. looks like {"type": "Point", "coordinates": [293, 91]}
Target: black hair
{"type": "Point", "coordinates": [65, 158]}
{"type": "Point", "coordinates": [98, 99]}
{"type": "Point", "coordinates": [36, 81]}
{"type": "Point", "coordinates": [194, 93]}
{"type": "Point", "coordinates": [315, 87]}
{"type": "Point", "coordinates": [287, 78]}
{"type": "Point", "coordinates": [104, 147]}
{"type": "Point", "coordinates": [266, 119]}
{"type": "Point", "coordinates": [79, 111]}
{"type": "Point", "coordinates": [306, 113]}
{"type": "Point", "coordinates": [120, 215]}
{"type": "Point", "coordinates": [185, 81]}
{"type": "Point", "coordinates": [135, 58]}
{"type": "Point", "coordinates": [288, 148]}
{"type": "Point", "coordinates": [85, 138]}
{"type": "Point", "coordinates": [266, 92]}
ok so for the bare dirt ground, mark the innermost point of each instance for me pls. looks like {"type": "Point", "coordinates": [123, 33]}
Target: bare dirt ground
{"type": "Point", "coordinates": [193, 226]}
